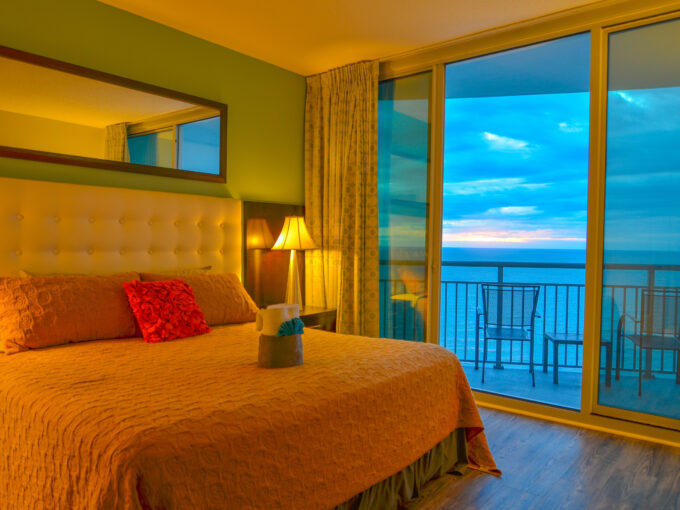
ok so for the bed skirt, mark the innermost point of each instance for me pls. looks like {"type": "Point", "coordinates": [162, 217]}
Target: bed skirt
{"type": "Point", "coordinates": [448, 456]}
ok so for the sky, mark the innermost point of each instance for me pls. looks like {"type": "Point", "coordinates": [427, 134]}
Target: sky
{"type": "Point", "coordinates": [200, 146]}
{"type": "Point", "coordinates": [643, 175]}
{"type": "Point", "coordinates": [515, 171]}
{"type": "Point", "coordinates": [516, 153]}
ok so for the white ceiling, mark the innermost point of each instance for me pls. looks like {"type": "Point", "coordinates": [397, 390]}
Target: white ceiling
{"type": "Point", "coordinates": [42, 92]}
{"type": "Point", "coordinates": [311, 36]}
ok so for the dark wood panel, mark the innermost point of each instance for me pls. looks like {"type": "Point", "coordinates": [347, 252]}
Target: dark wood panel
{"type": "Point", "coordinates": [550, 466]}
{"type": "Point", "coordinates": [273, 265]}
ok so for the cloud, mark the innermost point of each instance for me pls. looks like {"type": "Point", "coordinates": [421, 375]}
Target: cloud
{"type": "Point", "coordinates": [565, 127]}
{"type": "Point", "coordinates": [504, 143]}
{"type": "Point", "coordinates": [633, 99]}
{"type": "Point", "coordinates": [485, 232]}
{"type": "Point", "coordinates": [644, 176]}
{"type": "Point", "coordinates": [499, 185]}
{"type": "Point", "coordinates": [498, 237]}
{"type": "Point", "coordinates": [514, 210]}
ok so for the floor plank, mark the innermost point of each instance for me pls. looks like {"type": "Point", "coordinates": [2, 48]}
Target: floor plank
{"type": "Point", "coordinates": [548, 465]}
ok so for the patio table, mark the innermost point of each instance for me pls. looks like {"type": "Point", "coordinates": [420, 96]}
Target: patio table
{"type": "Point", "coordinates": [571, 339]}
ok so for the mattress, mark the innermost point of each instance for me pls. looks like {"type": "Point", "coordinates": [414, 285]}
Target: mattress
{"type": "Point", "coordinates": [195, 423]}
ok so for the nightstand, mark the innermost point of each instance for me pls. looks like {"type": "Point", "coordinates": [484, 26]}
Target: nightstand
{"type": "Point", "coordinates": [316, 317]}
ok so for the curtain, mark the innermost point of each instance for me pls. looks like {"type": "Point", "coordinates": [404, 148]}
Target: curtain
{"type": "Point", "coordinates": [116, 145]}
{"type": "Point", "coordinates": [341, 195]}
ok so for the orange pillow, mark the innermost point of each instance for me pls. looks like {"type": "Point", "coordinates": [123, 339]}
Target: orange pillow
{"type": "Point", "coordinates": [221, 297]}
{"type": "Point", "coordinates": [50, 310]}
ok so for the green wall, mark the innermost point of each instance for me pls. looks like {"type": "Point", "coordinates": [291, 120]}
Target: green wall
{"type": "Point", "coordinates": [266, 103]}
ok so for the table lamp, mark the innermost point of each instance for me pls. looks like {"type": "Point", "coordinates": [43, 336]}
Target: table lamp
{"type": "Point", "coordinates": [294, 236]}
{"type": "Point", "coordinates": [258, 238]}
{"type": "Point", "coordinates": [258, 235]}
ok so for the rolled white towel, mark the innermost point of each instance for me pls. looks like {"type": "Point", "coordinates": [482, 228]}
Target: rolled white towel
{"type": "Point", "coordinates": [269, 320]}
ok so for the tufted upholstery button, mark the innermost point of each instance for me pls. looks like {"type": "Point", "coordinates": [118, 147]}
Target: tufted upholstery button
{"type": "Point", "coordinates": [56, 251]}
{"type": "Point", "coordinates": [20, 217]}
{"type": "Point", "coordinates": [176, 223]}
{"type": "Point", "coordinates": [121, 221]}
{"type": "Point", "coordinates": [122, 251]}
{"type": "Point", "coordinates": [199, 251]}
{"type": "Point", "coordinates": [150, 251]}
{"type": "Point", "coordinates": [150, 222]}
{"type": "Point", "coordinates": [221, 250]}
{"type": "Point", "coordinates": [90, 251]}
{"type": "Point", "coordinates": [18, 253]}
{"type": "Point", "coordinates": [91, 219]}
{"type": "Point", "coordinates": [200, 224]}
{"type": "Point", "coordinates": [57, 219]}
{"type": "Point", "coordinates": [222, 225]}
{"type": "Point", "coordinates": [175, 251]}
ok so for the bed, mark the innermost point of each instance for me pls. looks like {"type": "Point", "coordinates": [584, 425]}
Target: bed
{"type": "Point", "coordinates": [194, 422]}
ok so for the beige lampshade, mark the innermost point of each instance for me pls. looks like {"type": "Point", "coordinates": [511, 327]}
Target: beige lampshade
{"type": "Point", "coordinates": [258, 235]}
{"type": "Point", "coordinates": [294, 235]}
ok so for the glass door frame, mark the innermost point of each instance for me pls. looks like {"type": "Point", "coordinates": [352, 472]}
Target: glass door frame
{"type": "Point", "coordinates": [595, 259]}
{"type": "Point", "coordinates": [600, 21]}
{"type": "Point", "coordinates": [435, 172]}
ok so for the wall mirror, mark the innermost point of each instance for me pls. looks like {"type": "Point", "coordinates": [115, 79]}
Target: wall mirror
{"type": "Point", "coordinates": [59, 112]}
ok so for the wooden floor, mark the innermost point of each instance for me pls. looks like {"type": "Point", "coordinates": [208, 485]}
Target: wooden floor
{"type": "Point", "coordinates": [551, 466]}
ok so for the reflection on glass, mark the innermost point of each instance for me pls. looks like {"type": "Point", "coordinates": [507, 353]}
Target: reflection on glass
{"type": "Point", "coordinates": [514, 212]}
{"type": "Point", "coordinates": [198, 147]}
{"type": "Point", "coordinates": [154, 149]}
{"type": "Point", "coordinates": [403, 130]}
{"type": "Point", "coordinates": [641, 279]}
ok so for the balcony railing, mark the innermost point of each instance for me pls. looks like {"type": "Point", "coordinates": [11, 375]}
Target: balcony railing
{"type": "Point", "coordinates": [560, 307]}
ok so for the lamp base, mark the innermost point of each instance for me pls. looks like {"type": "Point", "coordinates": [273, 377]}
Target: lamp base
{"type": "Point", "coordinates": [293, 286]}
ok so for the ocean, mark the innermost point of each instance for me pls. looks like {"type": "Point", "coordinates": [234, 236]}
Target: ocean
{"type": "Point", "coordinates": [513, 274]}
{"type": "Point", "coordinates": [494, 256]}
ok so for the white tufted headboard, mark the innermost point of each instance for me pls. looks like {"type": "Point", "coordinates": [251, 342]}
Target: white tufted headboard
{"type": "Point", "coordinates": [48, 227]}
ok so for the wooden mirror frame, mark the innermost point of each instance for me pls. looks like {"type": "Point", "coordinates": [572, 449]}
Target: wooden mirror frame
{"type": "Point", "coordinates": [66, 159]}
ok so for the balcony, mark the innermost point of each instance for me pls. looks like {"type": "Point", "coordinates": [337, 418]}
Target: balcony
{"type": "Point", "coordinates": [560, 310]}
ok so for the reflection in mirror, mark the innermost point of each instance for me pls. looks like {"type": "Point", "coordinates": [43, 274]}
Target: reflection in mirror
{"type": "Point", "coordinates": [53, 115]}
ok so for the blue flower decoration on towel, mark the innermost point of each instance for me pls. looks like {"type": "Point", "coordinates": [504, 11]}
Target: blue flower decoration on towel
{"type": "Point", "coordinates": [292, 327]}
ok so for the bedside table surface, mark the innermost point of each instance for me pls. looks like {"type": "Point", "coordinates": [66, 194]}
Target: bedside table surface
{"type": "Point", "coordinates": [313, 310]}
{"type": "Point", "coordinates": [318, 317]}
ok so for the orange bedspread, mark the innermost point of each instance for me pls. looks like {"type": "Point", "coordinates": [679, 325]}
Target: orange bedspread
{"type": "Point", "coordinates": [194, 423]}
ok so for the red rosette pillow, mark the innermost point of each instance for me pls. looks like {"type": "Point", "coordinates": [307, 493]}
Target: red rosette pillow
{"type": "Point", "coordinates": [165, 310]}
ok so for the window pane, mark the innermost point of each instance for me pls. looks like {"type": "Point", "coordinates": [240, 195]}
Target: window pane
{"type": "Point", "coordinates": [641, 279]}
{"type": "Point", "coordinates": [403, 139]}
{"type": "Point", "coordinates": [199, 146]}
{"type": "Point", "coordinates": [155, 149]}
{"type": "Point", "coordinates": [514, 212]}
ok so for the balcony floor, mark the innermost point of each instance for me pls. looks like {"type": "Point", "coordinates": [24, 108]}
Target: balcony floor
{"type": "Point", "coordinates": [516, 382]}
{"type": "Point", "coordinates": [659, 395]}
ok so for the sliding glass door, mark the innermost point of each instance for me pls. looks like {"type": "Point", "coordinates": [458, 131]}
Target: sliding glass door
{"type": "Point", "coordinates": [520, 128]}
{"type": "Point", "coordinates": [403, 162]}
{"type": "Point", "coordinates": [641, 263]}
{"type": "Point", "coordinates": [514, 219]}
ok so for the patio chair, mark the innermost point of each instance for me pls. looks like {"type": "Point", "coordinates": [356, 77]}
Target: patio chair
{"type": "Point", "coordinates": [658, 328]}
{"type": "Point", "coordinates": [509, 313]}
